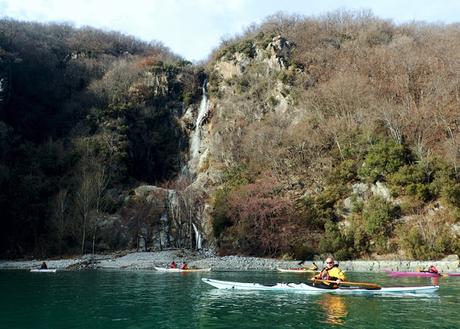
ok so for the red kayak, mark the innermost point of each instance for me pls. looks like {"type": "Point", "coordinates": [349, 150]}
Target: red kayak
{"type": "Point", "coordinates": [402, 273]}
{"type": "Point", "coordinates": [453, 274]}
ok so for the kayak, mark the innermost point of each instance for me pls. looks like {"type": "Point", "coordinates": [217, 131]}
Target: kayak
{"type": "Point", "coordinates": [453, 274]}
{"type": "Point", "coordinates": [44, 270]}
{"type": "Point", "coordinates": [310, 288]}
{"type": "Point", "coordinates": [163, 269]}
{"type": "Point", "coordinates": [422, 274]}
{"type": "Point", "coordinates": [296, 270]}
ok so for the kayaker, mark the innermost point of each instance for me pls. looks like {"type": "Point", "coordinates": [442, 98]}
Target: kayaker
{"type": "Point", "coordinates": [173, 265]}
{"type": "Point", "coordinates": [432, 269]}
{"type": "Point", "coordinates": [331, 272]}
{"type": "Point", "coordinates": [184, 266]}
{"type": "Point", "coordinates": [43, 266]}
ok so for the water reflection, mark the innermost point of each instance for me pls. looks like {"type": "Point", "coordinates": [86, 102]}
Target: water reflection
{"type": "Point", "coordinates": [335, 308]}
{"type": "Point", "coordinates": [435, 281]}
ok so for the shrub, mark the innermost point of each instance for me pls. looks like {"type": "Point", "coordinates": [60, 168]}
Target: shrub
{"type": "Point", "coordinates": [262, 217]}
{"type": "Point", "coordinates": [429, 237]}
{"type": "Point", "coordinates": [220, 220]}
{"type": "Point", "coordinates": [384, 157]}
{"type": "Point", "coordinates": [378, 216]}
{"type": "Point", "coordinates": [335, 242]}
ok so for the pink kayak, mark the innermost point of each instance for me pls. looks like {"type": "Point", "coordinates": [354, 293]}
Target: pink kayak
{"type": "Point", "coordinates": [453, 274]}
{"type": "Point", "coordinates": [424, 274]}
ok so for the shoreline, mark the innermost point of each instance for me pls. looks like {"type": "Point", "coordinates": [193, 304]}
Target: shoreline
{"type": "Point", "coordinates": [149, 260]}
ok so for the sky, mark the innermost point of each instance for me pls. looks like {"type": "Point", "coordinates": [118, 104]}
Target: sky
{"type": "Point", "coordinates": [193, 28]}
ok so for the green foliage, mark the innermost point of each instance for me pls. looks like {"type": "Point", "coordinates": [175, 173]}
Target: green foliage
{"type": "Point", "coordinates": [335, 242]}
{"type": "Point", "coordinates": [417, 246]}
{"type": "Point", "coordinates": [244, 46]}
{"type": "Point", "coordinates": [451, 193]}
{"type": "Point", "coordinates": [220, 219]}
{"type": "Point", "coordinates": [344, 172]}
{"type": "Point", "coordinates": [383, 158]}
{"type": "Point", "coordinates": [412, 180]}
{"type": "Point", "coordinates": [378, 216]}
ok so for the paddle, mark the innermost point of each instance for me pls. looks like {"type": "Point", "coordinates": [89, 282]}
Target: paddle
{"type": "Point", "coordinates": [442, 275]}
{"type": "Point", "coordinates": [370, 286]}
{"type": "Point", "coordinates": [313, 266]}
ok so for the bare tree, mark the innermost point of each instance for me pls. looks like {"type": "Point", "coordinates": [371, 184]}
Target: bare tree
{"type": "Point", "coordinates": [58, 220]}
{"type": "Point", "coordinates": [85, 201]}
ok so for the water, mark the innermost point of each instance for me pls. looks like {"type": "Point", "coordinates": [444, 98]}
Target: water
{"type": "Point", "coordinates": [149, 299]}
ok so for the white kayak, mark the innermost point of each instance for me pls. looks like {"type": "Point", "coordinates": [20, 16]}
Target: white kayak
{"type": "Point", "coordinates": [163, 269]}
{"type": "Point", "coordinates": [43, 270]}
{"type": "Point", "coordinates": [302, 287]}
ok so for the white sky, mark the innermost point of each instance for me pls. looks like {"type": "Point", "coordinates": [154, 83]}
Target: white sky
{"type": "Point", "coordinates": [192, 28]}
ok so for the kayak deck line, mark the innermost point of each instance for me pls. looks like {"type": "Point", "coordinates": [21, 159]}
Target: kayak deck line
{"type": "Point", "coordinates": [310, 288]}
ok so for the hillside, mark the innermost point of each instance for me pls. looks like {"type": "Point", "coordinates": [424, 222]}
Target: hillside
{"type": "Point", "coordinates": [339, 135]}
{"type": "Point", "coordinates": [303, 136]}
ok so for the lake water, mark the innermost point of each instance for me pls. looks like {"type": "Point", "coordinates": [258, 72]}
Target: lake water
{"type": "Point", "coordinates": [149, 299]}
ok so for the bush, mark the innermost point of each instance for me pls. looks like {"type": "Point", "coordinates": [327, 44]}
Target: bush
{"type": "Point", "coordinates": [220, 220]}
{"type": "Point", "coordinates": [429, 237]}
{"type": "Point", "coordinates": [336, 243]}
{"type": "Point", "coordinates": [385, 157]}
{"type": "Point", "coordinates": [378, 216]}
{"type": "Point", "coordinates": [262, 218]}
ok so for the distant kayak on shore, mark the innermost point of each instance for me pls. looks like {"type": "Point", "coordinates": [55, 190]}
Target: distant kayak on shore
{"type": "Point", "coordinates": [43, 270]}
{"type": "Point", "coordinates": [163, 269]}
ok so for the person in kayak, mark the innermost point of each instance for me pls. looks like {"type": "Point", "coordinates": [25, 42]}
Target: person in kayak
{"type": "Point", "coordinates": [432, 269]}
{"type": "Point", "coordinates": [331, 272]}
{"type": "Point", "coordinates": [184, 266]}
{"type": "Point", "coordinates": [173, 265]}
{"type": "Point", "coordinates": [43, 266]}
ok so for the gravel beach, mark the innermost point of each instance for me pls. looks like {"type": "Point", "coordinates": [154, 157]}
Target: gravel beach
{"type": "Point", "coordinates": [148, 260]}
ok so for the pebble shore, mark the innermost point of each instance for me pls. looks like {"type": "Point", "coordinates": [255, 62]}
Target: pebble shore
{"type": "Point", "coordinates": [149, 260]}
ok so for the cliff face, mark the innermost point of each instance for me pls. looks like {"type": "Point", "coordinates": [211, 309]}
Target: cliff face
{"type": "Point", "coordinates": [231, 108]}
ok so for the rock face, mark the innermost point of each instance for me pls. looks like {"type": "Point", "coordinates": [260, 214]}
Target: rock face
{"type": "Point", "coordinates": [362, 191]}
{"type": "Point", "coordinates": [179, 224]}
{"type": "Point", "coordinates": [274, 57]}
{"type": "Point", "coordinates": [257, 58]}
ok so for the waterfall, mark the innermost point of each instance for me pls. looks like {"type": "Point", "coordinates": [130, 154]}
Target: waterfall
{"type": "Point", "coordinates": [198, 237]}
{"type": "Point", "coordinates": [195, 141]}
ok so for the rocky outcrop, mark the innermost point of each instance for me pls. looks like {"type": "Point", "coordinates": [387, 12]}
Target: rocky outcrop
{"type": "Point", "coordinates": [275, 57]}
{"type": "Point", "coordinates": [362, 192]}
